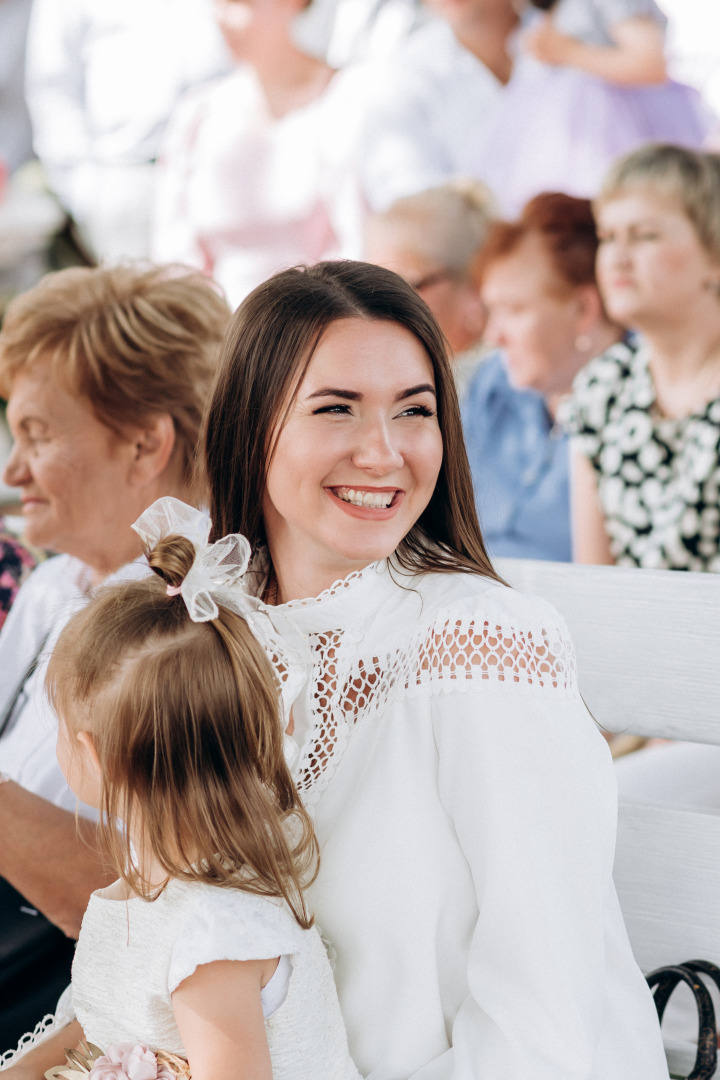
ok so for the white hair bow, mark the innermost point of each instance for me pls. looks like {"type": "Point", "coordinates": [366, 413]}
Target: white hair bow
{"type": "Point", "coordinates": [218, 576]}
{"type": "Point", "coordinates": [216, 567]}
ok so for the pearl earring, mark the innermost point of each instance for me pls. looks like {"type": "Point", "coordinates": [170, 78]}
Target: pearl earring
{"type": "Point", "coordinates": [583, 343]}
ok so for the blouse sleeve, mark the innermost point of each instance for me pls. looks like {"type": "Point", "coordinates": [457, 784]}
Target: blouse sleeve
{"type": "Point", "coordinates": [228, 924]}
{"type": "Point", "coordinates": [527, 780]}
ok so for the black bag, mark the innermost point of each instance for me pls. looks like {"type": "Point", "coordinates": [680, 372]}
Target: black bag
{"type": "Point", "coordinates": [35, 961]}
{"type": "Point", "coordinates": [664, 981]}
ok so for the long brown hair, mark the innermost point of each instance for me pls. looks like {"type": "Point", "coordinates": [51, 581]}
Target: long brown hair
{"type": "Point", "coordinates": [185, 720]}
{"type": "Point", "coordinates": [270, 342]}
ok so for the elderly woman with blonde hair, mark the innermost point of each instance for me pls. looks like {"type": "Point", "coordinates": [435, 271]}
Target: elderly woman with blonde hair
{"type": "Point", "coordinates": [106, 372]}
{"type": "Point", "coordinates": [646, 413]}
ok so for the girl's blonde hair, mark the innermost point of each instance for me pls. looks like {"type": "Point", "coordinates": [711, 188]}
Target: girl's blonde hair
{"type": "Point", "coordinates": [186, 723]}
{"type": "Point", "coordinates": [689, 177]}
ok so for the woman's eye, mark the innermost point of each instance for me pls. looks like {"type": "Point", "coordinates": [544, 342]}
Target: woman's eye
{"type": "Point", "coordinates": [336, 409]}
{"type": "Point", "coordinates": [417, 410]}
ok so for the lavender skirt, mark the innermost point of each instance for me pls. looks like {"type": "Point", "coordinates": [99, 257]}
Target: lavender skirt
{"type": "Point", "coordinates": [558, 129]}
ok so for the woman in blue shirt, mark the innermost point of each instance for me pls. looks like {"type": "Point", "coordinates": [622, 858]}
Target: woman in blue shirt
{"type": "Point", "coordinates": [546, 319]}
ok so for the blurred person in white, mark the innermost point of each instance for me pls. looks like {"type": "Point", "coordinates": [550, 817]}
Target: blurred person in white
{"type": "Point", "coordinates": [101, 82]}
{"type": "Point", "coordinates": [15, 132]}
{"type": "Point", "coordinates": [106, 373]}
{"type": "Point", "coordinates": [433, 240]}
{"type": "Point", "coordinates": [433, 100]}
{"type": "Point", "coordinates": [258, 168]}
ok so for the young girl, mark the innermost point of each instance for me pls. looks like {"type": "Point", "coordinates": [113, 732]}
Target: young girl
{"type": "Point", "coordinates": [590, 84]}
{"type": "Point", "coordinates": [168, 721]}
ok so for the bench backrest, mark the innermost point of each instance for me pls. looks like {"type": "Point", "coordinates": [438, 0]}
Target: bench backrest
{"type": "Point", "coordinates": [648, 649]}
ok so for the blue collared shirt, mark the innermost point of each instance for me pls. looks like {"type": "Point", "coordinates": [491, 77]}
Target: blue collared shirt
{"type": "Point", "coordinates": [520, 469]}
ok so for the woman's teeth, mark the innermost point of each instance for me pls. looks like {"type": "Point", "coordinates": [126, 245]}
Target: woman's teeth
{"type": "Point", "coordinates": [378, 500]}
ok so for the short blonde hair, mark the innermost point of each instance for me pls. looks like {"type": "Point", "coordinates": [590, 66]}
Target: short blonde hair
{"type": "Point", "coordinates": [690, 177]}
{"type": "Point", "coordinates": [448, 224]}
{"type": "Point", "coordinates": [134, 341]}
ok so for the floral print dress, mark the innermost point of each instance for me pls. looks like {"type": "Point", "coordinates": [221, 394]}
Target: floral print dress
{"type": "Point", "coordinates": [658, 477]}
{"type": "Point", "coordinates": [16, 562]}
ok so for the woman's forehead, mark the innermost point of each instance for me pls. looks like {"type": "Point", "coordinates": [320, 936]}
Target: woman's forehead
{"type": "Point", "coordinates": [367, 351]}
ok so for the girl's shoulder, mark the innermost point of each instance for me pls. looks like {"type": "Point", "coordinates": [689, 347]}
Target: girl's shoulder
{"type": "Point", "coordinates": [217, 923]}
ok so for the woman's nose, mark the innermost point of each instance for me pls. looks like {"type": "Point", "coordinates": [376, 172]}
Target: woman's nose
{"type": "Point", "coordinates": [377, 450]}
{"type": "Point", "coordinates": [15, 472]}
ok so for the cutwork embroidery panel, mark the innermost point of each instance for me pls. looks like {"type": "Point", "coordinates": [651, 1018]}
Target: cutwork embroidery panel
{"type": "Point", "coordinates": [454, 655]}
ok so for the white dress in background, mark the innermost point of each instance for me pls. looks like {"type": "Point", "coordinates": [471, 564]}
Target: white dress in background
{"type": "Point", "coordinates": [132, 954]}
{"type": "Point", "coordinates": [465, 807]}
{"type": "Point", "coordinates": [242, 194]}
{"type": "Point", "coordinates": [431, 104]}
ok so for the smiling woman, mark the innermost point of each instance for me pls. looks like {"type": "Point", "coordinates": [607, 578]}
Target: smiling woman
{"type": "Point", "coordinates": [462, 797]}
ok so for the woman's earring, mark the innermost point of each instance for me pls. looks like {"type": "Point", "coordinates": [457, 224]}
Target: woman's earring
{"type": "Point", "coordinates": [583, 343]}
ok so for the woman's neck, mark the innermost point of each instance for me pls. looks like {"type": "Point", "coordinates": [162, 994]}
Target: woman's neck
{"type": "Point", "coordinates": [120, 546]}
{"type": "Point", "coordinates": [288, 77]}
{"type": "Point", "coordinates": [486, 36]}
{"type": "Point", "coordinates": [685, 366]}
{"type": "Point", "coordinates": [298, 582]}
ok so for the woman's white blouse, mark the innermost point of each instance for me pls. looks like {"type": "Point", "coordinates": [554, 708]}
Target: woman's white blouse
{"type": "Point", "coordinates": [466, 810]}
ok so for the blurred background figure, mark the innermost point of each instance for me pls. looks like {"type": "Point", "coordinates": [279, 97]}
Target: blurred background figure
{"type": "Point", "coordinates": [106, 373]}
{"type": "Point", "coordinates": [646, 414]}
{"type": "Point", "coordinates": [15, 131]}
{"type": "Point", "coordinates": [590, 83]}
{"type": "Point", "coordinates": [433, 100]}
{"type": "Point", "coordinates": [546, 318]}
{"type": "Point", "coordinates": [433, 239]}
{"type": "Point", "coordinates": [102, 81]}
{"type": "Point", "coordinates": [16, 562]}
{"type": "Point", "coordinates": [258, 169]}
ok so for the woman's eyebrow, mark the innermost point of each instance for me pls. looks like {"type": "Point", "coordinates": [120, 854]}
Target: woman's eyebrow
{"type": "Point", "coordinates": [353, 395]}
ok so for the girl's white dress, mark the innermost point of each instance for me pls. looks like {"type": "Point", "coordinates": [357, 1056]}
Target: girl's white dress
{"type": "Point", "coordinates": [465, 806]}
{"type": "Point", "coordinates": [132, 954]}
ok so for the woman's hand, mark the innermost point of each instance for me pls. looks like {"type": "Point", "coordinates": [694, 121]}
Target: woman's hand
{"type": "Point", "coordinates": [545, 42]}
{"type": "Point", "coordinates": [635, 59]}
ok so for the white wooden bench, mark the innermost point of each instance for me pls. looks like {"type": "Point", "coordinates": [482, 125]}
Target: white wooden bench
{"type": "Point", "coordinates": [648, 648]}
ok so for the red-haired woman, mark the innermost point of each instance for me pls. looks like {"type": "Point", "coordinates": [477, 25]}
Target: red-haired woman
{"type": "Point", "coordinates": [547, 320]}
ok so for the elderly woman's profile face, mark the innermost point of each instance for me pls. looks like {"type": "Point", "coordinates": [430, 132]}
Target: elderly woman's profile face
{"type": "Point", "coordinates": [533, 317]}
{"type": "Point", "coordinates": [650, 262]}
{"type": "Point", "coordinates": [71, 469]}
{"type": "Point", "coordinates": [356, 462]}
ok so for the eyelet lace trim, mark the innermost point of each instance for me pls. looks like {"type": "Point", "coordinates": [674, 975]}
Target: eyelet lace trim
{"type": "Point", "coordinates": [30, 1039]}
{"type": "Point", "coordinates": [454, 655]}
{"type": "Point", "coordinates": [338, 588]}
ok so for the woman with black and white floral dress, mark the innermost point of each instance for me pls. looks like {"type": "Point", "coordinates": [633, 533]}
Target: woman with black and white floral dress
{"type": "Point", "coordinates": [646, 413]}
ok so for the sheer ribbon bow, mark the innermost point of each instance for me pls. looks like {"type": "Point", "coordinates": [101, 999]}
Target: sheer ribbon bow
{"type": "Point", "coordinates": [219, 575]}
